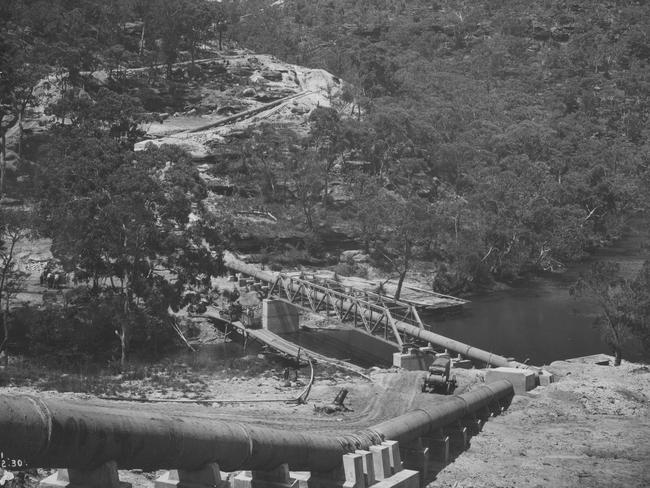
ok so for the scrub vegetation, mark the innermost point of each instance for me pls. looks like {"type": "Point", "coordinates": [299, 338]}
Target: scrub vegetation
{"type": "Point", "coordinates": [486, 139]}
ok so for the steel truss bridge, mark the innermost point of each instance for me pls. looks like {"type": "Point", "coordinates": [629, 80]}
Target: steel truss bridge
{"type": "Point", "coordinates": [395, 320]}
{"type": "Point", "coordinates": [377, 314]}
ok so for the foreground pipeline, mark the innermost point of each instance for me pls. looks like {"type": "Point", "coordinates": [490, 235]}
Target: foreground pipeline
{"type": "Point", "coordinates": [89, 442]}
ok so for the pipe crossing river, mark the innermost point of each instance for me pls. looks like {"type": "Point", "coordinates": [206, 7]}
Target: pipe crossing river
{"type": "Point", "coordinates": [409, 329]}
{"type": "Point", "coordinates": [57, 433]}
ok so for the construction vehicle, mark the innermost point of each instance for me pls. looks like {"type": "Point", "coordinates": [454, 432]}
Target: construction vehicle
{"type": "Point", "coordinates": [438, 379]}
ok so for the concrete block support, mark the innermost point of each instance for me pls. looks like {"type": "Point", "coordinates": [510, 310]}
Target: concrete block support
{"type": "Point", "coordinates": [353, 471]}
{"type": "Point", "coordinates": [302, 477]}
{"type": "Point", "coordinates": [458, 438]}
{"type": "Point", "coordinates": [404, 479]}
{"type": "Point", "coordinates": [207, 477]}
{"type": "Point", "coordinates": [368, 467]}
{"type": "Point", "coordinates": [414, 360]}
{"type": "Point", "coordinates": [473, 424]}
{"type": "Point", "coordinates": [105, 476]}
{"type": "Point", "coordinates": [394, 457]}
{"type": "Point", "coordinates": [545, 378]}
{"type": "Point", "coordinates": [279, 316]}
{"type": "Point", "coordinates": [330, 479]}
{"type": "Point", "coordinates": [381, 461]}
{"type": "Point", "coordinates": [439, 447]}
{"type": "Point", "coordinates": [279, 477]}
{"type": "Point", "coordinates": [415, 456]}
{"type": "Point", "coordinates": [389, 472]}
{"type": "Point", "coordinates": [480, 422]}
{"type": "Point", "coordinates": [522, 380]}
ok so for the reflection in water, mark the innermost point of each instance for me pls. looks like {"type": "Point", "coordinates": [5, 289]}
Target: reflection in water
{"type": "Point", "coordinates": [540, 320]}
{"type": "Point", "coordinates": [346, 345]}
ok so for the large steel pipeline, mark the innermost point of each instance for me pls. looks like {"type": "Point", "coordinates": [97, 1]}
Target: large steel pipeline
{"type": "Point", "coordinates": [411, 330]}
{"type": "Point", "coordinates": [57, 433]}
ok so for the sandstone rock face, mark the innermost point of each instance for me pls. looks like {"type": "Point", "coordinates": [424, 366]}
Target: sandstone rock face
{"type": "Point", "coordinates": [261, 89]}
{"type": "Point", "coordinates": [272, 75]}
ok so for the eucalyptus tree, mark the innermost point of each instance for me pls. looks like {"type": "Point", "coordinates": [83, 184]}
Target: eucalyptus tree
{"type": "Point", "coordinates": [123, 218]}
{"type": "Point", "coordinates": [623, 312]}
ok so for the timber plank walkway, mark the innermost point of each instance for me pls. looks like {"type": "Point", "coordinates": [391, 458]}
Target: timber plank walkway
{"type": "Point", "coordinates": [284, 346]}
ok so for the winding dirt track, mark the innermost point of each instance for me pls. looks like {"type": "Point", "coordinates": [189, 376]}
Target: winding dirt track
{"type": "Point", "coordinates": [389, 395]}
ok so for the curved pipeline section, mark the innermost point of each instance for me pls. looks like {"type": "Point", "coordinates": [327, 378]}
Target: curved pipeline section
{"type": "Point", "coordinates": [411, 330]}
{"type": "Point", "coordinates": [57, 433]}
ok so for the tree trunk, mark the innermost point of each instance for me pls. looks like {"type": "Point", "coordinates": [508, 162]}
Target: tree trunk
{"type": "Point", "coordinates": [4, 346]}
{"type": "Point", "coordinates": [308, 217]}
{"type": "Point", "coordinates": [20, 133]}
{"type": "Point", "coordinates": [5, 326]}
{"type": "Point", "coordinates": [5, 309]}
{"type": "Point", "coordinates": [326, 191]}
{"type": "Point", "coordinates": [616, 342]}
{"type": "Point", "coordinates": [618, 356]}
{"type": "Point", "coordinates": [123, 348]}
{"type": "Point", "coordinates": [3, 165]}
{"type": "Point", "coordinates": [402, 275]}
{"type": "Point", "coordinates": [141, 47]}
{"type": "Point", "coordinates": [124, 326]}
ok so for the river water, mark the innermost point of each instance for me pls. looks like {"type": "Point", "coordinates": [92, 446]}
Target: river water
{"type": "Point", "coordinates": [539, 319]}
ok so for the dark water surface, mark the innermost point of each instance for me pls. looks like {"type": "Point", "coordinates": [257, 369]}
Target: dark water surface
{"type": "Point", "coordinates": [539, 319]}
{"type": "Point", "coordinates": [346, 345]}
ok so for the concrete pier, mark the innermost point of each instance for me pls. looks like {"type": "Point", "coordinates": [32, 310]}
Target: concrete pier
{"type": "Point", "coordinates": [279, 316]}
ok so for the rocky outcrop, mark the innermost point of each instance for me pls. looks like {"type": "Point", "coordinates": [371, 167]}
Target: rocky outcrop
{"type": "Point", "coordinates": [263, 89]}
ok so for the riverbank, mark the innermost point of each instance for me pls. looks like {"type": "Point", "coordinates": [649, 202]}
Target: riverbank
{"type": "Point", "coordinates": [538, 318]}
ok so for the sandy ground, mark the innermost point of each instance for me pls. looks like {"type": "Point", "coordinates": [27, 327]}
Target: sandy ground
{"type": "Point", "coordinates": [390, 393]}
{"type": "Point", "coordinates": [591, 428]}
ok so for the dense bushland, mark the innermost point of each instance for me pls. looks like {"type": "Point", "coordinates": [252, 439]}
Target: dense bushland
{"type": "Point", "coordinates": [491, 139]}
